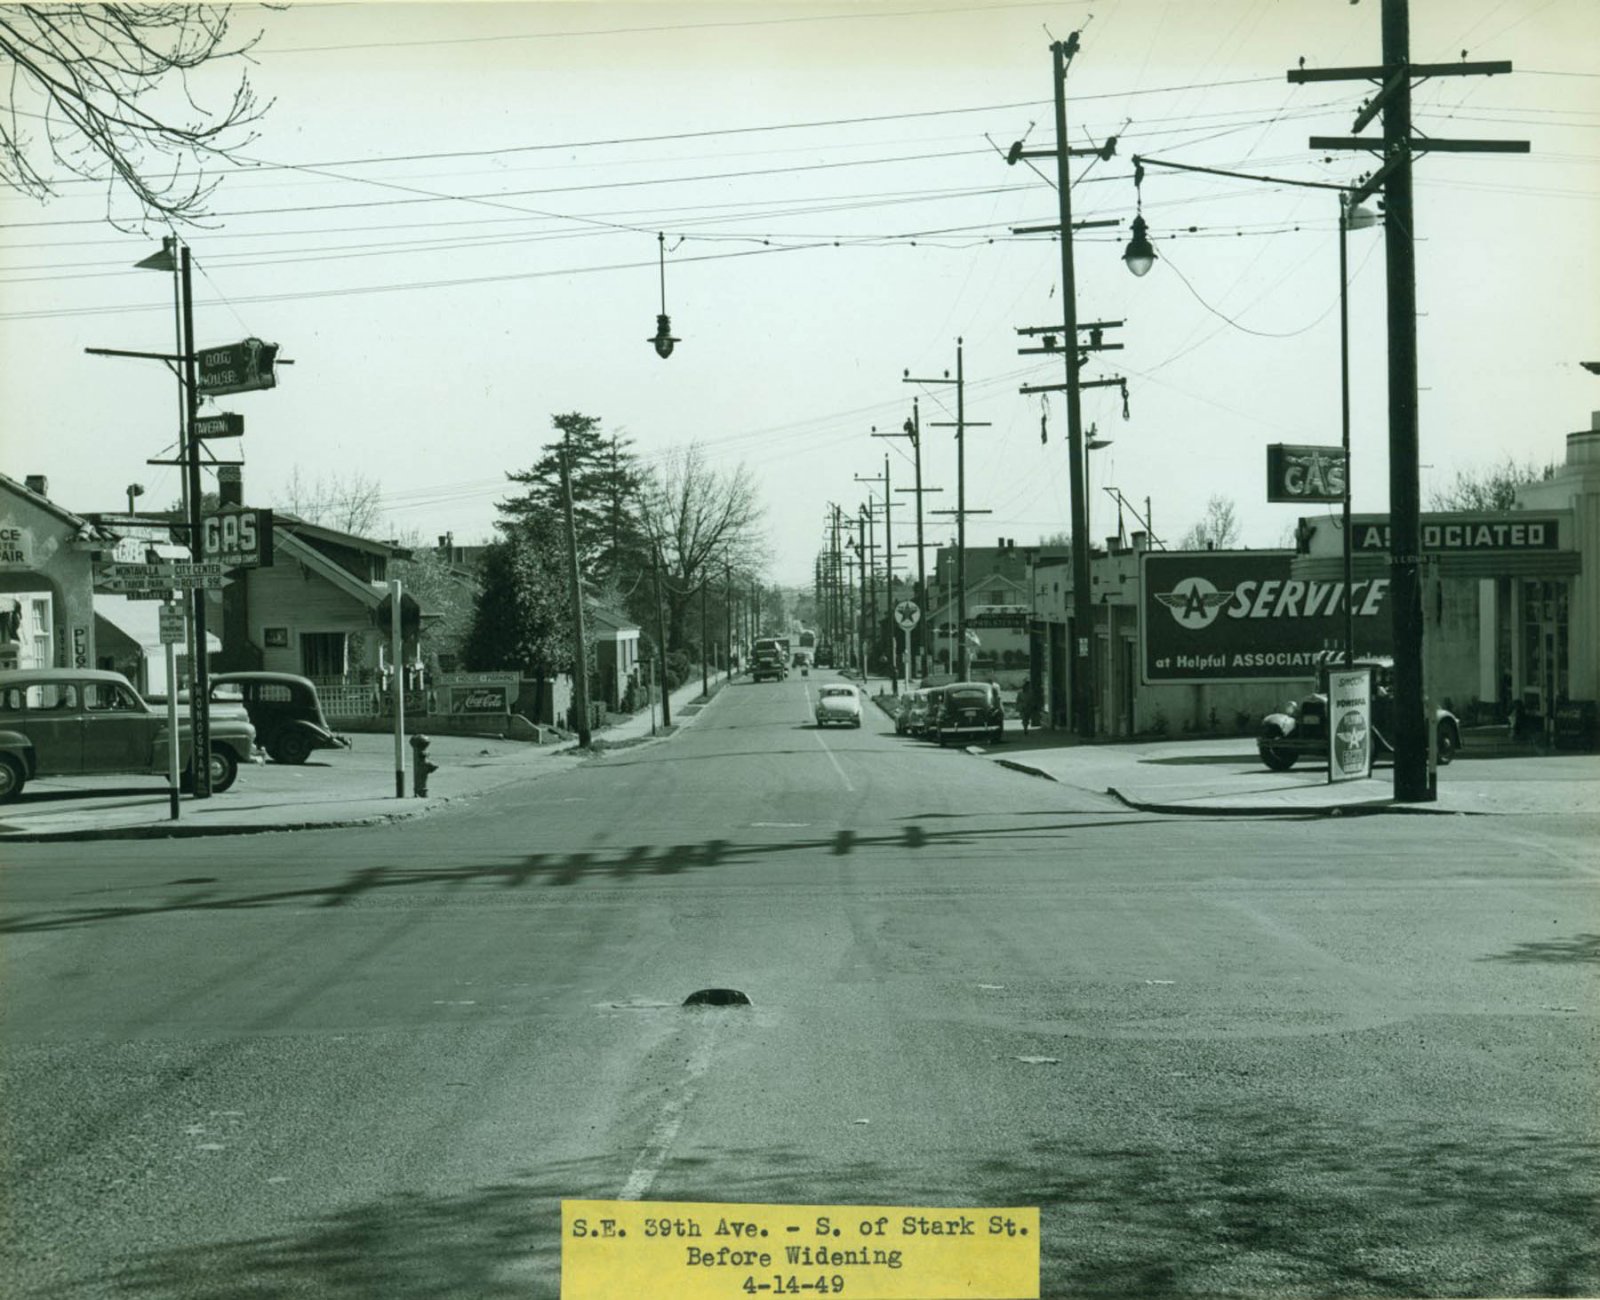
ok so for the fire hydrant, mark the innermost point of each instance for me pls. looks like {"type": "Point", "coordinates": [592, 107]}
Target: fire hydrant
{"type": "Point", "coordinates": [420, 766]}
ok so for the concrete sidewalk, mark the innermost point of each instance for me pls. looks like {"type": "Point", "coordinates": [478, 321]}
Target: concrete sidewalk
{"type": "Point", "coordinates": [1227, 778]}
{"type": "Point", "coordinates": [341, 787]}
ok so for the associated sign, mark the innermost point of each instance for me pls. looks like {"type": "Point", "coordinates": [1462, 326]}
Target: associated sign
{"type": "Point", "coordinates": [1238, 616]}
{"type": "Point", "coordinates": [237, 538]}
{"type": "Point", "coordinates": [1534, 533]}
{"type": "Point", "coordinates": [14, 549]}
{"type": "Point", "coordinates": [1349, 724]}
{"type": "Point", "coordinates": [907, 614]}
{"type": "Point", "coordinates": [1306, 473]}
{"type": "Point", "coordinates": [223, 425]}
{"type": "Point", "coordinates": [237, 368]}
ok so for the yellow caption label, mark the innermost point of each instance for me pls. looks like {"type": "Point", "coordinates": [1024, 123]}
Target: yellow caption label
{"type": "Point", "coordinates": [692, 1250]}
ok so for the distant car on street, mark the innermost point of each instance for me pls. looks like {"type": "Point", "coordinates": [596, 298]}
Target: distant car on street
{"type": "Point", "coordinates": [88, 722]}
{"type": "Point", "coordinates": [283, 708]}
{"type": "Point", "coordinates": [968, 709]}
{"type": "Point", "coordinates": [840, 705]}
{"type": "Point", "coordinates": [1300, 728]}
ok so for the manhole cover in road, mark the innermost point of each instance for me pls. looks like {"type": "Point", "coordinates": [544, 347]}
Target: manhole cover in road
{"type": "Point", "coordinates": [716, 998]}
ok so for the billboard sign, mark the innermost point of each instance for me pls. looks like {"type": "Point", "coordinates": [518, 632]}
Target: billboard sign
{"type": "Point", "coordinates": [1349, 724]}
{"type": "Point", "coordinates": [1533, 533]}
{"type": "Point", "coordinates": [479, 693]}
{"type": "Point", "coordinates": [1238, 616]}
{"type": "Point", "coordinates": [1300, 474]}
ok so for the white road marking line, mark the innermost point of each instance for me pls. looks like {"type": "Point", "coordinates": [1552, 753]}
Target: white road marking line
{"type": "Point", "coordinates": [834, 761]}
{"type": "Point", "coordinates": [666, 1130]}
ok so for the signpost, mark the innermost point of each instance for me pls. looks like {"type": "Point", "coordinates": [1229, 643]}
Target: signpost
{"type": "Point", "coordinates": [140, 579]}
{"type": "Point", "coordinates": [172, 633]}
{"type": "Point", "coordinates": [908, 614]}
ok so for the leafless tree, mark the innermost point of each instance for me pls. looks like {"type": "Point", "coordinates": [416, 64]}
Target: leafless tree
{"type": "Point", "coordinates": [700, 518]}
{"type": "Point", "coordinates": [352, 503]}
{"type": "Point", "coordinates": [110, 92]}
{"type": "Point", "coordinates": [1217, 529]}
{"type": "Point", "coordinates": [1494, 488]}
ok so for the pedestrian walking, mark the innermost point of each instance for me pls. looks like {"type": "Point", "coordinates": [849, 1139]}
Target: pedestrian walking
{"type": "Point", "coordinates": [1025, 706]}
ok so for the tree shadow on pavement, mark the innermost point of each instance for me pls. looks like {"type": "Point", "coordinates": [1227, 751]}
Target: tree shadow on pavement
{"type": "Point", "coordinates": [1257, 1203]}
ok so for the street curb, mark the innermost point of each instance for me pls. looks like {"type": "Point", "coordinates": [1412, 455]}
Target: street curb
{"type": "Point", "coordinates": [1027, 769]}
{"type": "Point", "coordinates": [1279, 810]}
{"type": "Point", "coordinates": [179, 831]}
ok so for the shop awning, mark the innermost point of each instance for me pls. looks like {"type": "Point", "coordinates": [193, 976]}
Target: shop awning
{"type": "Point", "coordinates": [140, 622]}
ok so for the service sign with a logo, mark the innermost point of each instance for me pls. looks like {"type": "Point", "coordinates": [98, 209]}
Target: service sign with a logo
{"type": "Point", "coordinates": [1238, 616]}
{"type": "Point", "coordinates": [1349, 724]}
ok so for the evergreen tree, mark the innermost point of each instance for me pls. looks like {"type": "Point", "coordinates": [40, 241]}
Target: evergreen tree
{"type": "Point", "coordinates": [606, 483]}
{"type": "Point", "coordinates": [523, 616]}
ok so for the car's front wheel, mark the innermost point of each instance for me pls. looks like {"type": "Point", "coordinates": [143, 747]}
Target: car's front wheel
{"type": "Point", "coordinates": [224, 772]}
{"type": "Point", "coordinates": [12, 778]}
{"type": "Point", "coordinates": [1280, 758]}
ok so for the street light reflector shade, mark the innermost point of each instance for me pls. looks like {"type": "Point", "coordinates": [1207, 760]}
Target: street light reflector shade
{"type": "Point", "coordinates": [1139, 255]}
{"type": "Point", "coordinates": [161, 261]}
{"type": "Point", "coordinates": [1359, 217]}
{"type": "Point", "coordinates": [1094, 444]}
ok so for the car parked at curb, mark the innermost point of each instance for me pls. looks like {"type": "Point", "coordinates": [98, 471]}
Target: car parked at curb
{"type": "Point", "coordinates": [911, 717]}
{"type": "Point", "coordinates": [89, 722]}
{"type": "Point", "coordinates": [968, 709]}
{"type": "Point", "coordinates": [838, 705]}
{"type": "Point", "coordinates": [283, 708]}
{"type": "Point", "coordinates": [1300, 728]}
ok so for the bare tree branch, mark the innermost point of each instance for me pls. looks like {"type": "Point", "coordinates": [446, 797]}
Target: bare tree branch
{"type": "Point", "coordinates": [103, 82]}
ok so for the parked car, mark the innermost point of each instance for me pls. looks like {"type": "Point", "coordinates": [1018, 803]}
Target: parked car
{"type": "Point", "coordinates": [911, 718]}
{"type": "Point", "coordinates": [838, 704]}
{"type": "Point", "coordinates": [283, 708]}
{"type": "Point", "coordinates": [1300, 729]}
{"type": "Point", "coordinates": [968, 709]}
{"type": "Point", "coordinates": [84, 721]}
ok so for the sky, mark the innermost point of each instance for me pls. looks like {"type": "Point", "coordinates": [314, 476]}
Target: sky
{"type": "Point", "coordinates": [449, 221]}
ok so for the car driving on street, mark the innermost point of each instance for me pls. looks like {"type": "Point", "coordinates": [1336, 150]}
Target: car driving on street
{"type": "Point", "coordinates": [88, 722]}
{"type": "Point", "coordinates": [838, 705]}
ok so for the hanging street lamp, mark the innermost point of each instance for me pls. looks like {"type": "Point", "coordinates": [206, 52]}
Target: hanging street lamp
{"type": "Point", "coordinates": [663, 341]}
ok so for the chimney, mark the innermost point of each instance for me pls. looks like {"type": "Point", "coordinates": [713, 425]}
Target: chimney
{"type": "Point", "coordinates": [37, 483]}
{"type": "Point", "coordinates": [1141, 541]}
{"type": "Point", "coordinates": [230, 485]}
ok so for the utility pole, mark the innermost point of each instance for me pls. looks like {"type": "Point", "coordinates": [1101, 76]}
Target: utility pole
{"type": "Point", "coordinates": [961, 425]}
{"type": "Point", "coordinates": [727, 610]}
{"type": "Point", "coordinates": [661, 634]}
{"type": "Point", "coordinates": [872, 560]}
{"type": "Point", "coordinates": [705, 645]}
{"type": "Point", "coordinates": [1413, 780]}
{"type": "Point", "coordinates": [580, 659]}
{"type": "Point", "coordinates": [912, 429]}
{"type": "Point", "coordinates": [1074, 354]}
{"type": "Point", "coordinates": [199, 667]}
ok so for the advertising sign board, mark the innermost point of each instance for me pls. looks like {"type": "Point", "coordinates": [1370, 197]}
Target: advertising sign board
{"type": "Point", "coordinates": [1349, 724]}
{"type": "Point", "coordinates": [1305, 473]}
{"type": "Point", "coordinates": [1237, 616]}
{"type": "Point", "coordinates": [1534, 533]}
{"type": "Point", "coordinates": [238, 538]}
{"type": "Point", "coordinates": [237, 368]}
{"type": "Point", "coordinates": [907, 614]}
{"type": "Point", "coordinates": [479, 693]}
{"type": "Point", "coordinates": [222, 425]}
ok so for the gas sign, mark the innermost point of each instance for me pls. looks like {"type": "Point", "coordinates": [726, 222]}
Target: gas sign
{"type": "Point", "coordinates": [1306, 473]}
{"type": "Point", "coordinates": [238, 538]}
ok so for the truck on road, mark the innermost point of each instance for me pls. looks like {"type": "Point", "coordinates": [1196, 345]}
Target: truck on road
{"type": "Point", "coordinates": [769, 659]}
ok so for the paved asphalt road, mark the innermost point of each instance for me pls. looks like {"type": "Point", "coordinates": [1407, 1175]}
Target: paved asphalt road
{"type": "Point", "coordinates": [1224, 1056]}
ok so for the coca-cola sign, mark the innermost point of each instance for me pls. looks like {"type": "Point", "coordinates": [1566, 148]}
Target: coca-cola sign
{"type": "Point", "coordinates": [480, 699]}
